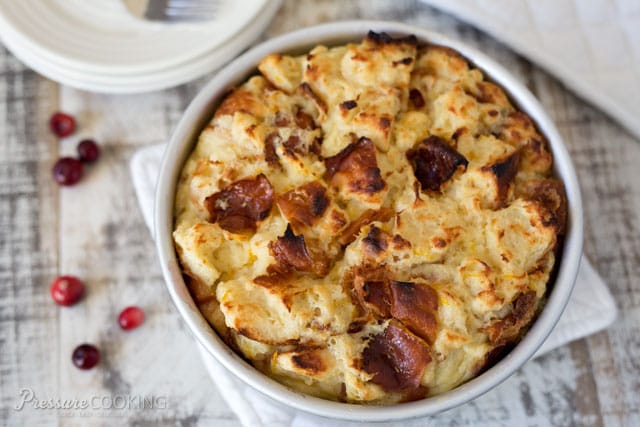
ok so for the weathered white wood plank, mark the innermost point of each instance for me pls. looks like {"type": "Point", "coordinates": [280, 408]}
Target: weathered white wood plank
{"type": "Point", "coordinates": [28, 239]}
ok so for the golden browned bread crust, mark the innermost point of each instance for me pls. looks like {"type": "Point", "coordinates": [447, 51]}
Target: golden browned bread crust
{"type": "Point", "coordinates": [371, 222]}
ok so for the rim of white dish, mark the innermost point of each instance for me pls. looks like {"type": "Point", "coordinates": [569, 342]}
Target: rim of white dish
{"type": "Point", "coordinates": [159, 79]}
{"type": "Point", "coordinates": [92, 36]}
{"type": "Point", "coordinates": [200, 111]}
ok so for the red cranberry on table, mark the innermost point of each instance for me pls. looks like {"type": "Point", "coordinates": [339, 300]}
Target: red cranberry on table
{"type": "Point", "coordinates": [88, 151]}
{"type": "Point", "coordinates": [85, 356]}
{"type": "Point", "coordinates": [62, 124]}
{"type": "Point", "coordinates": [67, 171]}
{"type": "Point", "coordinates": [67, 290]}
{"type": "Point", "coordinates": [131, 318]}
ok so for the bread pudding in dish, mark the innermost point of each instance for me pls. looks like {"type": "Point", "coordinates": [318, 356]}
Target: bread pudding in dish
{"type": "Point", "coordinates": [369, 223]}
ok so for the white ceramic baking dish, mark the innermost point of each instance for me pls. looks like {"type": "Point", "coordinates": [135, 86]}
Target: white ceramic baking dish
{"type": "Point", "coordinates": [198, 115]}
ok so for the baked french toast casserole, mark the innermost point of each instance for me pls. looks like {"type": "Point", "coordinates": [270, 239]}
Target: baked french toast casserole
{"type": "Point", "coordinates": [372, 222]}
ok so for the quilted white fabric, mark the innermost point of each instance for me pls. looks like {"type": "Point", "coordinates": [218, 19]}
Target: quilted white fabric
{"type": "Point", "coordinates": [590, 309]}
{"type": "Point", "coordinates": [592, 46]}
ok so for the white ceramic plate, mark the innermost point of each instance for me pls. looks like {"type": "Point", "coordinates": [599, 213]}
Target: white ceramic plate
{"type": "Point", "coordinates": [100, 36]}
{"type": "Point", "coordinates": [152, 80]}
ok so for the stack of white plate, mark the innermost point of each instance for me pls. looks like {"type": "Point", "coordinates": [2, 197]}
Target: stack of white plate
{"type": "Point", "coordinates": [97, 45]}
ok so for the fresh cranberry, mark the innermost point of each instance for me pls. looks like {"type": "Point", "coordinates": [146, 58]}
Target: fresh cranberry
{"type": "Point", "coordinates": [131, 318]}
{"type": "Point", "coordinates": [85, 356]}
{"type": "Point", "coordinates": [67, 290]}
{"type": "Point", "coordinates": [67, 171]}
{"type": "Point", "coordinates": [62, 124]}
{"type": "Point", "coordinates": [88, 150]}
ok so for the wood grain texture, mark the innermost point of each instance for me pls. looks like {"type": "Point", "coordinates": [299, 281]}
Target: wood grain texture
{"type": "Point", "coordinates": [95, 230]}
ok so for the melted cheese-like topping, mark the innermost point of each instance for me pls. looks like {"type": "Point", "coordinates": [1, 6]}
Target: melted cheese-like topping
{"type": "Point", "coordinates": [369, 223]}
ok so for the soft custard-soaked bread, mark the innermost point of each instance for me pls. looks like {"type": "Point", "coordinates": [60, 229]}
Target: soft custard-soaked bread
{"type": "Point", "coordinates": [369, 223]}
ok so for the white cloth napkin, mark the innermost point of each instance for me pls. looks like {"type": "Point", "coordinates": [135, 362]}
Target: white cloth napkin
{"type": "Point", "coordinates": [592, 46]}
{"type": "Point", "coordinates": [590, 309]}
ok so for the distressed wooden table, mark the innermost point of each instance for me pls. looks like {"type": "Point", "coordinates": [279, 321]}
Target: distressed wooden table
{"type": "Point", "coordinates": [153, 375]}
